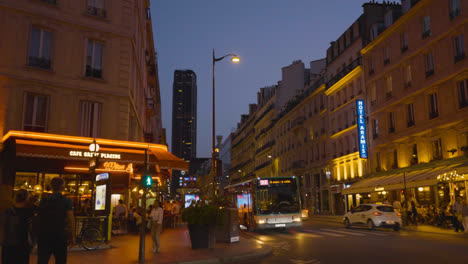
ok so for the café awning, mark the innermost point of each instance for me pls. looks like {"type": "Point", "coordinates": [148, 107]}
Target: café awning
{"type": "Point", "coordinates": [416, 178]}
{"type": "Point", "coordinates": [73, 151]}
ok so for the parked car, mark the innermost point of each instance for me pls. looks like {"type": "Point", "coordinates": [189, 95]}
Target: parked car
{"type": "Point", "coordinates": [373, 215]}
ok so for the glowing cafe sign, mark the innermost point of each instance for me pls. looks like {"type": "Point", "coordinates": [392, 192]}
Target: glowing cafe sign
{"type": "Point", "coordinates": [114, 166]}
{"type": "Point", "coordinates": [379, 189]}
{"type": "Point", "coordinates": [88, 154]}
{"type": "Point", "coordinates": [361, 123]}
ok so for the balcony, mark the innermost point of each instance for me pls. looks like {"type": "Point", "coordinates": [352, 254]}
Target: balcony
{"type": "Point", "coordinates": [408, 84]}
{"type": "Point", "coordinates": [389, 94]}
{"type": "Point", "coordinates": [93, 73]}
{"type": "Point", "coordinates": [454, 13]}
{"type": "Point", "coordinates": [297, 122]}
{"type": "Point", "coordinates": [371, 72]}
{"type": "Point", "coordinates": [391, 130]}
{"type": "Point", "coordinates": [429, 73]}
{"type": "Point", "coordinates": [386, 61]}
{"type": "Point", "coordinates": [39, 62]}
{"type": "Point", "coordinates": [94, 11]}
{"type": "Point", "coordinates": [357, 62]}
{"type": "Point", "coordinates": [404, 49]}
{"type": "Point", "coordinates": [463, 103]}
{"type": "Point", "coordinates": [459, 57]}
{"type": "Point", "coordinates": [299, 164]}
{"type": "Point", "coordinates": [263, 165]}
{"type": "Point", "coordinates": [410, 123]}
{"type": "Point", "coordinates": [426, 34]}
{"type": "Point", "coordinates": [433, 115]}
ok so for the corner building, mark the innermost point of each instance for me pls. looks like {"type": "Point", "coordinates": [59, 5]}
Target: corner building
{"type": "Point", "coordinates": [417, 105]}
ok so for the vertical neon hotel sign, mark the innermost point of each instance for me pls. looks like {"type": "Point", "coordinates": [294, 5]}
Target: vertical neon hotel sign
{"type": "Point", "coordinates": [361, 121]}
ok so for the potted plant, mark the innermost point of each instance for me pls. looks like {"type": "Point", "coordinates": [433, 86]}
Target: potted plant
{"type": "Point", "coordinates": [227, 226]}
{"type": "Point", "coordinates": [201, 220]}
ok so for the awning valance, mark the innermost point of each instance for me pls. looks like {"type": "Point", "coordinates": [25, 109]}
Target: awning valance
{"type": "Point", "coordinates": [417, 178]}
{"type": "Point", "coordinates": [73, 150]}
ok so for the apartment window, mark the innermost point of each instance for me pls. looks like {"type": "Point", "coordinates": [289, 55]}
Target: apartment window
{"type": "Point", "coordinates": [429, 63]}
{"type": "Point", "coordinates": [433, 106]}
{"type": "Point", "coordinates": [426, 27]}
{"type": "Point", "coordinates": [334, 149]}
{"type": "Point", "coordinates": [459, 48]}
{"type": "Point", "coordinates": [345, 116]}
{"type": "Point", "coordinates": [414, 157]}
{"type": "Point", "coordinates": [389, 87]}
{"type": "Point", "coordinates": [406, 4]}
{"type": "Point", "coordinates": [35, 112]}
{"type": "Point", "coordinates": [371, 66]}
{"type": "Point", "coordinates": [437, 149]}
{"type": "Point", "coordinates": [463, 93]}
{"type": "Point", "coordinates": [408, 76]}
{"type": "Point", "coordinates": [410, 112]}
{"type": "Point", "coordinates": [333, 126]}
{"type": "Point", "coordinates": [395, 159]}
{"type": "Point", "coordinates": [388, 19]}
{"type": "Point", "coordinates": [90, 118]}
{"type": "Point", "coordinates": [332, 103]}
{"type": "Point", "coordinates": [377, 160]}
{"type": "Point", "coordinates": [454, 8]}
{"type": "Point", "coordinates": [96, 8]}
{"type": "Point", "coordinates": [40, 47]}
{"type": "Point", "coordinates": [373, 94]}
{"type": "Point", "coordinates": [404, 41]}
{"type": "Point", "coordinates": [391, 122]}
{"type": "Point", "coordinates": [94, 59]}
{"type": "Point", "coordinates": [375, 128]}
{"type": "Point", "coordinates": [387, 55]}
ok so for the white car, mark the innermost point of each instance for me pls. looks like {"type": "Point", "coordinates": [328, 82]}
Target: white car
{"type": "Point", "coordinates": [373, 215]}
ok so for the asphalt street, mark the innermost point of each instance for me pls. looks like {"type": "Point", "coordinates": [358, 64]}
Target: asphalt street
{"type": "Point", "coordinates": [329, 243]}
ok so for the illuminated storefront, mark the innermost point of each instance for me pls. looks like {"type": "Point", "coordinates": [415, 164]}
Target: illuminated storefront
{"type": "Point", "coordinates": [30, 160]}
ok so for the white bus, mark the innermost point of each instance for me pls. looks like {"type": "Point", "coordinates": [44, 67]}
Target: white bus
{"type": "Point", "coordinates": [263, 203]}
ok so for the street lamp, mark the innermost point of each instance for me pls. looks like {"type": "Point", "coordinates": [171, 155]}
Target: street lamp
{"type": "Point", "coordinates": [234, 59]}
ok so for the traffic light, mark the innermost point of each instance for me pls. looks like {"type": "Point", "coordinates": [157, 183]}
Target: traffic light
{"type": "Point", "coordinates": [146, 181]}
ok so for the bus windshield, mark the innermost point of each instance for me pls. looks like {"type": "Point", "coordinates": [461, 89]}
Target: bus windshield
{"type": "Point", "coordinates": [277, 196]}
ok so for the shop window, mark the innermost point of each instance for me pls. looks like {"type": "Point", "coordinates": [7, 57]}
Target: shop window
{"type": "Point", "coordinates": [424, 195]}
{"type": "Point", "coordinates": [94, 59]}
{"type": "Point", "coordinates": [36, 112]}
{"type": "Point", "coordinates": [40, 46]}
{"type": "Point", "coordinates": [437, 149]}
{"type": "Point", "coordinates": [90, 118]}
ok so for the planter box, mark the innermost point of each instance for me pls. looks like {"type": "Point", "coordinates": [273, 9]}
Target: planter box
{"type": "Point", "coordinates": [202, 236]}
{"type": "Point", "coordinates": [228, 232]}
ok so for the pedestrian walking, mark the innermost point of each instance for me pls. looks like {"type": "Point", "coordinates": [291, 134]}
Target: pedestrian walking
{"type": "Point", "coordinates": [17, 230]}
{"type": "Point", "coordinates": [465, 216]}
{"type": "Point", "coordinates": [121, 214]}
{"type": "Point", "coordinates": [56, 225]}
{"type": "Point", "coordinates": [156, 216]}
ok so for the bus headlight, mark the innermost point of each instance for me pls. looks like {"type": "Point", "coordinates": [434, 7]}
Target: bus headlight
{"type": "Point", "coordinates": [261, 221]}
{"type": "Point", "coordinates": [297, 219]}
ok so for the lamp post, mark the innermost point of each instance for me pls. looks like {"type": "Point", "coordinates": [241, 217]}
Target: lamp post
{"type": "Point", "coordinates": [234, 59]}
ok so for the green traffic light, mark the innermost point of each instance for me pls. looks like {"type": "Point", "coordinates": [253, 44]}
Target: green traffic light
{"type": "Point", "coordinates": [147, 181]}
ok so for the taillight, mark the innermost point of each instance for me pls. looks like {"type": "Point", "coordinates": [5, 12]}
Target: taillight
{"type": "Point", "coordinates": [376, 213]}
{"type": "Point", "coordinates": [398, 214]}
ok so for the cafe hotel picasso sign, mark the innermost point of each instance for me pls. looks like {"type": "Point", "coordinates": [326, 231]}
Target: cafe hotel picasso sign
{"type": "Point", "coordinates": [361, 122]}
{"type": "Point", "coordinates": [88, 154]}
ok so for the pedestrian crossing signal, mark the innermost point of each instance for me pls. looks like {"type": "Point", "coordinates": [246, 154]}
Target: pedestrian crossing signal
{"type": "Point", "coordinates": [147, 181]}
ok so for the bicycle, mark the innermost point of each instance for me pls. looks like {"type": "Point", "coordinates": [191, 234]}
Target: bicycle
{"type": "Point", "coordinates": [90, 236]}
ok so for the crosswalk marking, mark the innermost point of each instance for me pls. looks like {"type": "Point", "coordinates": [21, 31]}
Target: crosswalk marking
{"type": "Point", "coordinates": [329, 234]}
{"type": "Point", "coordinates": [371, 233]}
{"type": "Point", "coordinates": [309, 235]}
{"type": "Point", "coordinates": [344, 232]}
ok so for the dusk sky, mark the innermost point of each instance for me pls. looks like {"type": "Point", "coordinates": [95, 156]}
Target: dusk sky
{"type": "Point", "coordinates": [266, 34]}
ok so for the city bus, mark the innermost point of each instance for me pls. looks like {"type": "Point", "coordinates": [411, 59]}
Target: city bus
{"type": "Point", "coordinates": [272, 202]}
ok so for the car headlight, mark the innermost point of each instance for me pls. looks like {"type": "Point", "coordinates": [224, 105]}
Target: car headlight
{"type": "Point", "coordinates": [297, 219]}
{"type": "Point", "coordinates": [261, 221]}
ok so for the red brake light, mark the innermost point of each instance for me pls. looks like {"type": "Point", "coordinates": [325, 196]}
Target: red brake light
{"type": "Point", "coordinates": [376, 213]}
{"type": "Point", "coordinates": [399, 214]}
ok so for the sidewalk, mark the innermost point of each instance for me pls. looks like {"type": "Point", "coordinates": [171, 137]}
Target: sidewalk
{"type": "Point", "coordinates": [175, 248]}
{"type": "Point", "coordinates": [419, 228]}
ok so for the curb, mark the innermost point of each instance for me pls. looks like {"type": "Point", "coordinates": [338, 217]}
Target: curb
{"type": "Point", "coordinates": [263, 252]}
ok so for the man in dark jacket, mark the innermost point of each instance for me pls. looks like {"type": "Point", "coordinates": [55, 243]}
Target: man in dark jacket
{"type": "Point", "coordinates": [56, 225]}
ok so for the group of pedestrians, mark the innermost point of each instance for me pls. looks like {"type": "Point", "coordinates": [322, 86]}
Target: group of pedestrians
{"type": "Point", "coordinates": [50, 224]}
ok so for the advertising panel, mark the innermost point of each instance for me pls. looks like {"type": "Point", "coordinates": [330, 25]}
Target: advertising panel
{"type": "Point", "coordinates": [361, 125]}
{"type": "Point", "coordinates": [100, 197]}
{"type": "Point", "coordinates": [189, 198]}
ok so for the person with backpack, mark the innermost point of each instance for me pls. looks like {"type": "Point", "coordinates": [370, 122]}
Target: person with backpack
{"type": "Point", "coordinates": [56, 225]}
{"type": "Point", "coordinates": [17, 241]}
